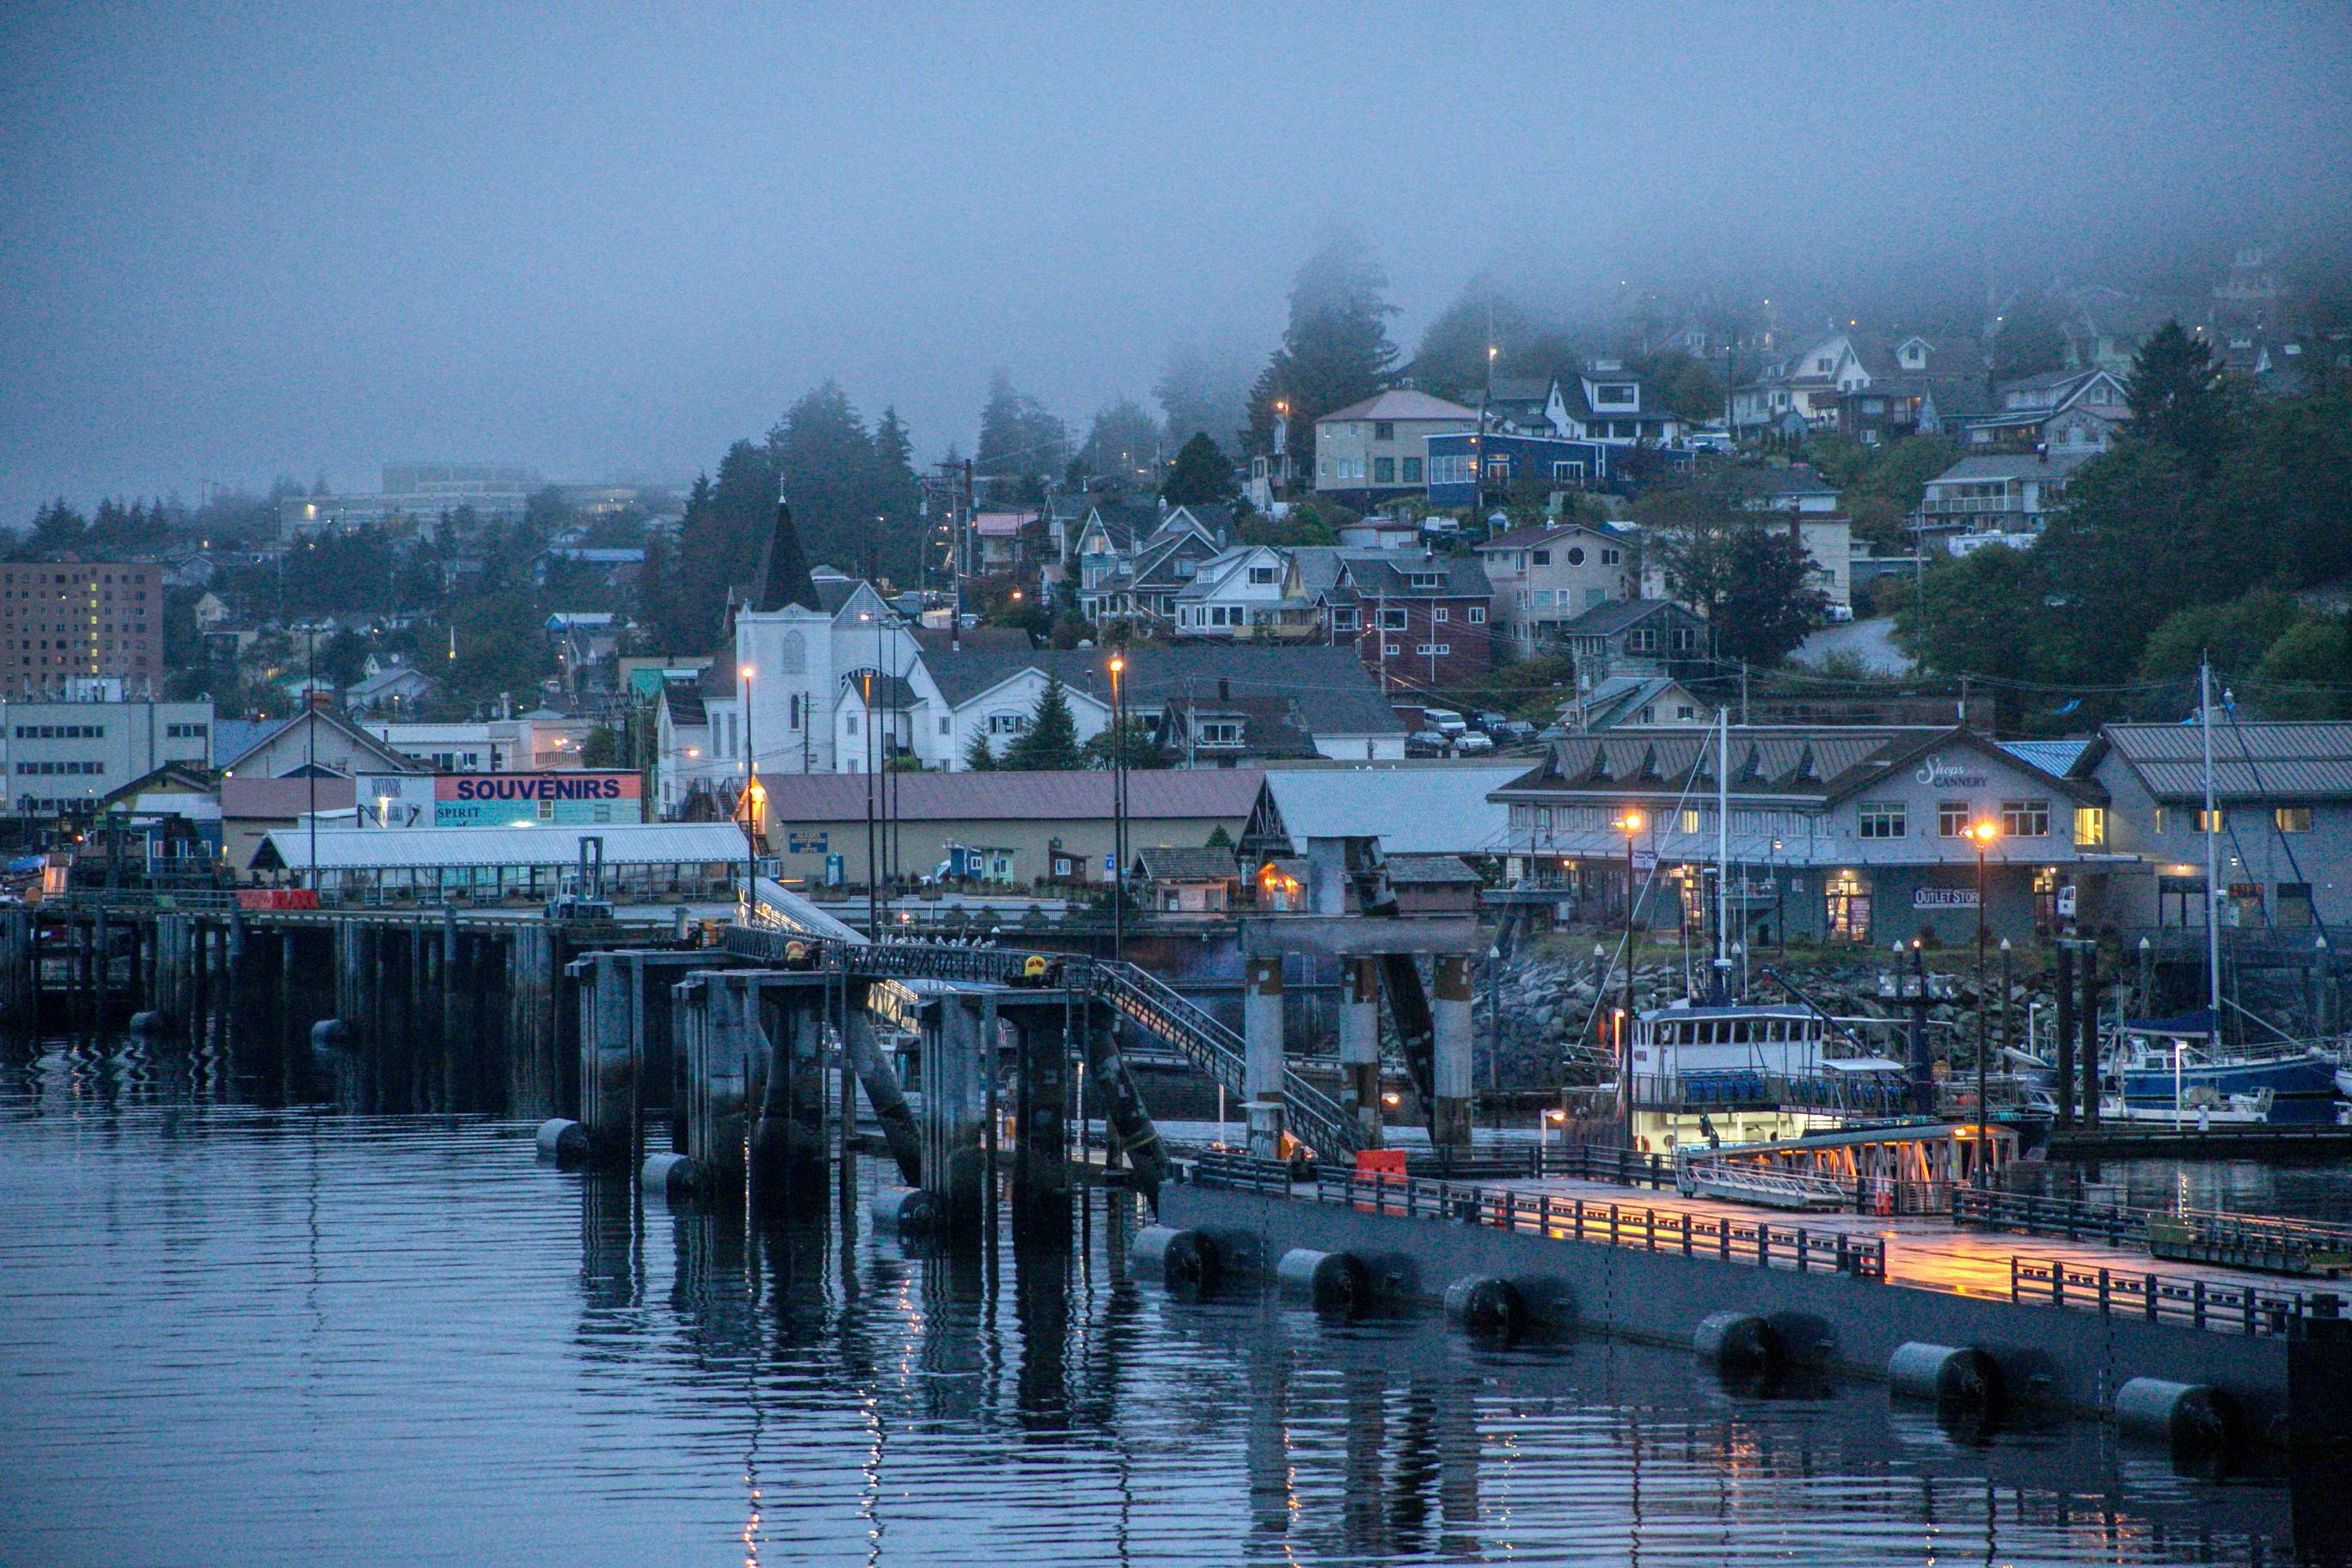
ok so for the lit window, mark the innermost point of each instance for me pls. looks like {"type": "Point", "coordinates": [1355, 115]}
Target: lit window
{"type": "Point", "coordinates": [2293, 818]}
{"type": "Point", "coordinates": [2090, 826]}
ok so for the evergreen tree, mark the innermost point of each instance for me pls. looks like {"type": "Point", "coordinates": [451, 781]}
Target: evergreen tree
{"type": "Point", "coordinates": [1051, 741]}
{"type": "Point", "coordinates": [1200, 394]}
{"type": "Point", "coordinates": [1452, 359]}
{"type": "Point", "coordinates": [1335, 352]}
{"type": "Point", "coordinates": [1201, 475]}
{"type": "Point", "coordinates": [1123, 443]}
{"type": "Point", "coordinates": [1767, 603]}
{"type": "Point", "coordinates": [977, 757]}
{"type": "Point", "coordinates": [1020, 442]}
{"type": "Point", "coordinates": [2173, 393]}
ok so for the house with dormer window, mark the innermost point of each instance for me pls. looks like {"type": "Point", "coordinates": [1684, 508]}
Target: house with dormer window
{"type": "Point", "coordinates": [1545, 576]}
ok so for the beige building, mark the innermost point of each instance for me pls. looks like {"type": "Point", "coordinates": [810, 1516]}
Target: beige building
{"type": "Point", "coordinates": [1378, 449]}
{"type": "Point", "coordinates": [1003, 828]}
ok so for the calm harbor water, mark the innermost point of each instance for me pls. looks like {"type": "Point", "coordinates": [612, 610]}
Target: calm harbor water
{"type": "Point", "coordinates": [235, 1334]}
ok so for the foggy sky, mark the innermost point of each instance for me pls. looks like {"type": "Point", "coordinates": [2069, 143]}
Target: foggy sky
{"type": "Point", "coordinates": [244, 240]}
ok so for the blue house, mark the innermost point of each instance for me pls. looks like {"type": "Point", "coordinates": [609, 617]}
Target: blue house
{"type": "Point", "coordinates": [1463, 466]}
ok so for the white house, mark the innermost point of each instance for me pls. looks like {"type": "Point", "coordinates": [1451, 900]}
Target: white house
{"type": "Point", "coordinates": [1249, 591]}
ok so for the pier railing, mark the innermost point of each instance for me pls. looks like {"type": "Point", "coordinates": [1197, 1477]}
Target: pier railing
{"type": "Point", "coordinates": [1644, 1228]}
{"type": "Point", "coordinates": [2195, 1303]}
{"type": "Point", "coordinates": [2265, 1242]}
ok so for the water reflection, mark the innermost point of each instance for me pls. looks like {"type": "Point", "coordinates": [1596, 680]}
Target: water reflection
{"type": "Point", "coordinates": [234, 1334]}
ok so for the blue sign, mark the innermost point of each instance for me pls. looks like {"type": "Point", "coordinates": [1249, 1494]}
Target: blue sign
{"type": "Point", "coordinates": [832, 877]}
{"type": "Point", "coordinates": [1110, 862]}
{"type": "Point", "coordinates": [806, 843]}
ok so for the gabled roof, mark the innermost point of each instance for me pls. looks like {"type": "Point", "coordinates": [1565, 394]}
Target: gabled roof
{"type": "Point", "coordinates": [387, 760]}
{"type": "Point", "coordinates": [1390, 573]}
{"type": "Point", "coordinates": [1169, 864]}
{"type": "Point", "coordinates": [1438, 808]}
{"type": "Point", "coordinates": [1402, 404]}
{"type": "Point", "coordinates": [1621, 615]}
{"type": "Point", "coordinates": [1543, 533]}
{"type": "Point", "coordinates": [1081, 795]}
{"type": "Point", "coordinates": [2252, 761]}
{"type": "Point", "coordinates": [1824, 765]}
{"type": "Point", "coordinates": [2011, 465]}
{"type": "Point", "coordinates": [1428, 870]}
{"type": "Point", "coordinates": [1330, 690]}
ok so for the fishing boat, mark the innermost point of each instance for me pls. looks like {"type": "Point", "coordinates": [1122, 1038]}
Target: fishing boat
{"type": "Point", "coordinates": [1726, 1071]}
{"type": "Point", "coordinates": [2171, 1070]}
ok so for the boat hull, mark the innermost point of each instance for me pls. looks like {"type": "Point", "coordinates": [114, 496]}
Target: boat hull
{"type": "Point", "coordinates": [2303, 1089]}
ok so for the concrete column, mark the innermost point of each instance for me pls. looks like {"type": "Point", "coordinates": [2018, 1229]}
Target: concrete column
{"type": "Point", "coordinates": [788, 1149]}
{"type": "Point", "coordinates": [1262, 1065]}
{"type": "Point", "coordinates": [954, 1107]}
{"type": "Point", "coordinates": [1450, 1017]}
{"type": "Point", "coordinates": [1359, 1048]}
{"type": "Point", "coordinates": [1041, 1171]}
{"type": "Point", "coordinates": [608, 1060]}
{"type": "Point", "coordinates": [718, 1032]}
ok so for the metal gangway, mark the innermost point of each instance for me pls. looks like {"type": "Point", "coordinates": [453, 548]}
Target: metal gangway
{"type": "Point", "coordinates": [780, 917]}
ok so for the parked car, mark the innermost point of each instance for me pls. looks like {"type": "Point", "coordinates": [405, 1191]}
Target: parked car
{"type": "Point", "coordinates": [1839, 615]}
{"type": "Point", "coordinates": [1486, 719]}
{"type": "Point", "coordinates": [1474, 744]}
{"type": "Point", "coordinates": [1513, 731]}
{"type": "Point", "coordinates": [1425, 743]}
{"type": "Point", "coordinates": [1444, 721]}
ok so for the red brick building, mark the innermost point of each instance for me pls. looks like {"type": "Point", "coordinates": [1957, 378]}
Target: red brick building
{"type": "Point", "coordinates": [1422, 620]}
{"type": "Point", "coordinates": [62, 621]}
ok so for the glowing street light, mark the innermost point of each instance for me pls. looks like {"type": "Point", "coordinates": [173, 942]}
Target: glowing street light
{"type": "Point", "coordinates": [1983, 833]}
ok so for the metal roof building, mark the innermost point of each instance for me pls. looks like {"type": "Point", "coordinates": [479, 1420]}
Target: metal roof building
{"type": "Point", "coordinates": [685, 859]}
{"type": "Point", "coordinates": [1437, 809]}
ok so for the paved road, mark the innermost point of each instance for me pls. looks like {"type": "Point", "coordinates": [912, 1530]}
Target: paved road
{"type": "Point", "coordinates": [1871, 642]}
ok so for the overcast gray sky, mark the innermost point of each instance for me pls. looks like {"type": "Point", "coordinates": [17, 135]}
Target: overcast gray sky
{"type": "Point", "coordinates": [248, 238]}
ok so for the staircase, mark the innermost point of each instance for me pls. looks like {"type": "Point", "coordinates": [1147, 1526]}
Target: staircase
{"type": "Point", "coordinates": [1315, 1118]}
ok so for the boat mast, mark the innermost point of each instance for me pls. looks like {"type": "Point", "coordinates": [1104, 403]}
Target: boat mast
{"type": "Point", "coordinates": [1722, 853]}
{"type": "Point", "coordinates": [2212, 883]}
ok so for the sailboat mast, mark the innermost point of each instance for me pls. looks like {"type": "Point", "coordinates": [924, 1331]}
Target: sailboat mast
{"type": "Point", "coordinates": [1722, 849]}
{"type": "Point", "coordinates": [2212, 862]}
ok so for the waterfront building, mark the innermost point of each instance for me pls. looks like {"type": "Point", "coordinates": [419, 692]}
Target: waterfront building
{"type": "Point", "coordinates": [66, 623]}
{"type": "Point", "coordinates": [1007, 828]}
{"type": "Point", "coordinates": [1847, 835]}
{"type": "Point", "coordinates": [61, 758]}
{"type": "Point", "coordinates": [2284, 796]}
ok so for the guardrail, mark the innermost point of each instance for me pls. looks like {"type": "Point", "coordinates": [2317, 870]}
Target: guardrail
{"type": "Point", "coordinates": [2264, 1242]}
{"type": "Point", "coordinates": [1647, 1228]}
{"type": "Point", "coordinates": [2162, 1299]}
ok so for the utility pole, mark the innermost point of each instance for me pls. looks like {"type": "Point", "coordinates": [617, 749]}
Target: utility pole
{"type": "Point", "coordinates": [310, 742]}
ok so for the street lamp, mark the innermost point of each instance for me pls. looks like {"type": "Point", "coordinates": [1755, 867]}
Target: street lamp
{"type": "Point", "coordinates": [1628, 824]}
{"type": "Point", "coordinates": [1544, 1125]}
{"type": "Point", "coordinates": [1118, 808]}
{"type": "Point", "coordinates": [1982, 834]}
{"type": "Point", "coordinates": [751, 799]}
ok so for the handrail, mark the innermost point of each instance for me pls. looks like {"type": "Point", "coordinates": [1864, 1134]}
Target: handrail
{"type": "Point", "coordinates": [2196, 1303]}
{"type": "Point", "coordinates": [1726, 1238]}
{"type": "Point", "coordinates": [1763, 1179]}
{"type": "Point", "coordinates": [2032, 1215]}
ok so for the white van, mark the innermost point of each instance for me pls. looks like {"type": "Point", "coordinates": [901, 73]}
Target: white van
{"type": "Point", "coordinates": [1444, 721]}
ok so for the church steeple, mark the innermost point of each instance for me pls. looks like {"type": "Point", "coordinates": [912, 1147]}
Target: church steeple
{"type": "Point", "coordinates": [784, 576]}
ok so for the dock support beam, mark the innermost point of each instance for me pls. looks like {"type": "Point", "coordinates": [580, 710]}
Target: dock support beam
{"type": "Point", "coordinates": [1360, 1049]}
{"type": "Point", "coordinates": [881, 1086]}
{"type": "Point", "coordinates": [955, 1107]}
{"type": "Point", "coordinates": [1262, 1065]}
{"type": "Point", "coordinates": [788, 1149]}
{"type": "Point", "coordinates": [1040, 1172]}
{"type": "Point", "coordinates": [1449, 1020]}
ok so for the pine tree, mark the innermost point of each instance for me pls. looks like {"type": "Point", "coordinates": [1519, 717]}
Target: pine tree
{"type": "Point", "coordinates": [1201, 474]}
{"type": "Point", "coordinates": [1335, 352]}
{"type": "Point", "coordinates": [977, 757]}
{"type": "Point", "coordinates": [2172, 392]}
{"type": "Point", "coordinates": [1051, 741]}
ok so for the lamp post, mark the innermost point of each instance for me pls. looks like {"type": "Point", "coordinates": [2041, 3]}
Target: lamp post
{"type": "Point", "coordinates": [1118, 810]}
{"type": "Point", "coordinates": [1983, 833]}
{"type": "Point", "coordinates": [751, 799]}
{"type": "Point", "coordinates": [1544, 1125]}
{"type": "Point", "coordinates": [1629, 824]}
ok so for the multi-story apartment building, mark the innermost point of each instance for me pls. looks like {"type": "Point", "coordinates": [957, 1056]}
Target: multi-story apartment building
{"type": "Point", "coordinates": [1370, 451]}
{"type": "Point", "coordinates": [64, 624]}
{"type": "Point", "coordinates": [1547, 575]}
{"type": "Point", "coordinates": [60, 759]}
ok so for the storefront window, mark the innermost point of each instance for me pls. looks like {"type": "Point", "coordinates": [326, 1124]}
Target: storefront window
{"type": "Point", "coordinates": [1848, 908]}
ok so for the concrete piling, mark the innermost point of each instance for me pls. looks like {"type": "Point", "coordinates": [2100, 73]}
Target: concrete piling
{"type": "Point", "coordinates": [1041, 1171]}
{"type": "Point", "coordinates": [881, 1086]}
{"type": "Point", "coordinates": [1360, 1049]}
{"type": "Point", "coordinates": [1262, 1065]}
{"type": "Point", "coordinates": [954, 1107]}
{"type": "Point", "coordinates": [1449, 1013]}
